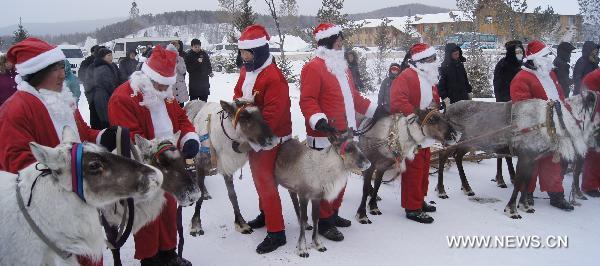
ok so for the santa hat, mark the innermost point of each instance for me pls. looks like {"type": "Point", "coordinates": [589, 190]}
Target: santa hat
{"type": "Point", "coordinates": [160, 67]}
{"type": "Point", "coordinates": [253, 36]}
{"type": "Point", "coordinates": [326, 30]}
{"type": "Point", "coordinates": [420, 51]}
{"type": "Point", "coordinates": [32, 55]}
{"type": "Point", "coordinates": [536, 49]}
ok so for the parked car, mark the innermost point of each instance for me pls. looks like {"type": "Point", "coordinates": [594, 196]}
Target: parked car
{"type": "Point", "coordinates": [74, 56]}
{"type": "Point", "coordinates": [122, 45]}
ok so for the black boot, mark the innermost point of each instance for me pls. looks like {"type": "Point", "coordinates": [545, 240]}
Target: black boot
{"type": "Point", "coordinates": [152, 261]}
{"type": "Point", "coordinates": [258, 222]}
{"type": "Point", "coordinates": [593, 193]}
{"type": "Point", "coordinates": [428, 208]}
{"type": "Point", "coordinates": [419, 216]}
{"type": "Point", "coordinates": [341, 222]}
{"type": "Point", "coordinates": [271, 242]}
{"type": "Point", "coordinates": [170, 258]}
{"type": "Point", "coordinates": [557, 199]}
{"type": "Point", "coordinates": [328, 230]}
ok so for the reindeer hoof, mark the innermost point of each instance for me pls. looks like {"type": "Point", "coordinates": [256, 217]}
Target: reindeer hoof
{"type": "Point", "coordinates": [308, 227]}
{"type": "Point", "coordinates": [303, 254]}
{"type": "Point", "coordinates": [319, 247]}
{"type": "Point", "coordinates": [363, 219]}
{"type": "Point", "coordinates": [510, 212]}
{"type": "Point", "coordinates": [322, 249]}
{"type": "Point", "coordinates": [375, 211]}
{"type": "Point", "coordinates": [468, 192]}
{"type": "Point", "coordinates": [243, 228]}
{"type": "Point", "coordinates": [378, 198]}
{"type": "Point", "coordinates": [526, 208]}
{"type": "Point", "coordinates": [443, 195]}
{"type": "Point", "coordinates": [196, 232]}
{"type": "Point", "coordinates": [206, 196]}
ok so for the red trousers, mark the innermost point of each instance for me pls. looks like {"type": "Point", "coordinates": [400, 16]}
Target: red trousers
{"type": "Point", "coordinates": [160, 234]}
{"type": "Point", "coordinates": [327, 208]}
{"type": "Point", "coordinates": [415, 181]}
{"type": "Point", "coordinates": [262, 165]}
{"type": "Point", "coordinates": [550, 175]}
{"type": "Point", "coordinates": [591, 171]}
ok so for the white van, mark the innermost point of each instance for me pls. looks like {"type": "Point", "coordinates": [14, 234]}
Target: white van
{"type": "Point", "coordinates": [74, 56]}
{"type": "Point", "coordinates": [122, 45]}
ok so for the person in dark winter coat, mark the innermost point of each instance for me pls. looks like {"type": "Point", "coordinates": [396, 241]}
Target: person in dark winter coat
{"type": "Point", "coordinates": [128, 65]}
{"type": "Point", "coordinates": [199, 67]}
{"type": "Point", "coordinates": [384, 90]}
{"type": "Point", "coordinates": [8, 86]}
{"type": "Point", "coordinates": [404, 65]}
{"type": "Point", "coordinates": [586, 64]}
{"type": "Point", "coordinates": [454, 83]}
{"type": "Point", "coordinates": [562, 67]}
{"type": "Point", "coordinates": [87, 62]}
{"type": "Point", "coordinates": [352, 59]}
{"type": "Point", "coordinates": [105, 80]}
{"type": "Point", "coordinates": [506, 69]}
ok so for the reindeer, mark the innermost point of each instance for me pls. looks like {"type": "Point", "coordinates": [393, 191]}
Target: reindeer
{"type": "Point", "coordinates": [390, 142]}
{"type": "Point", "coordinates": [72, 227]}
{"type": "Point", "coordinates": [313, 175]}
{"type": "Point", "coordinates": [229, 129]}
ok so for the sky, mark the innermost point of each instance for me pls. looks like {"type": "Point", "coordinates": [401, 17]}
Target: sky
{"type": "Point", "coordinates": [44, 11]}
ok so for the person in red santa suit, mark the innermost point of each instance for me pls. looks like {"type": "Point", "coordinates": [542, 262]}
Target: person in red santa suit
{"type": "Point", "coordinates": [537, 80]}
{"type": "Point", "coordinates": [591, 167]}
{"type": "Point", "coordinates": [41, 108]}
{"type": "Point", "coordinates": [145, 105]}
{"type": "Point", "coordinates": [329, 102]}
{"type": "Point", "coordinates": [415, 88]}
{"type": "Point", "coordinates": [263, 84]}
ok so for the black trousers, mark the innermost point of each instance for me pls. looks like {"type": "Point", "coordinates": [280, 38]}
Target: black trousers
{"type": "Point", "coordinates": [201, 97]}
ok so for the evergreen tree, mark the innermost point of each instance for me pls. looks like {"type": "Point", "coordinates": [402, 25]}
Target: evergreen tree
{"type": "Point", "coordinates": [246, 16]}
{"type": "Point", "coordinates": [331, 12]}
{"type": "Point", "coordinates": [365, 75]}
{"type": "Point", "coordinates": [383, 41]}
{"type": "Point", "coordinates": [590, 12]}
{"type": "Point", "coordinates": [20, 34]}
{"type": "Point", "coordinates": [410, 36]}
{"type": "Point", "coordinates": [478, 67]}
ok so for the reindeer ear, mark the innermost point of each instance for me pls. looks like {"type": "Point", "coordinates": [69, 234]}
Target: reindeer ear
{"type": "Point", "coordinates": [47, 156]}
{"type": "Point", "coordinates": [142, 143]}
{"type": "Point", "coordinates": [412, 118]}
{"type": "Point", "coordinates": [69, 135]}
{"type": "Point", "coordinates": [228, 107]}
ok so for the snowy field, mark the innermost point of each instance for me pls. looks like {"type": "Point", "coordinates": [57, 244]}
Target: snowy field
{"type": "Point", "coordinates": [391, 239]}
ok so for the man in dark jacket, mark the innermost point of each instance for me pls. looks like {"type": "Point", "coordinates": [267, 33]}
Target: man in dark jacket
{"type": "Point", "coordinates": [384, 91]}
{"type": "Point", "coordinates": [454, 83]}
{"type": "Point", "coordinates": [586, 64]}
{"type": "Point", "coordinates": [128, 65]}
{"type": "Point", "coordinates": [506, 69]}
{"type": "Point", "coordinates": [198, 65]}
{"type": "Point", "coordinates": [105, 80]}
{"type": "Point", "coordinates": [352, 59]}
{"type": "Point", "coordinates": [562, 67]}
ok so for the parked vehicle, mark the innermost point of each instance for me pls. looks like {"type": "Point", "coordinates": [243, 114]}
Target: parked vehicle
{"type": "Point", "coordinates": [122, 45]}
{"type": "Point", "coordinates": [74, 56]}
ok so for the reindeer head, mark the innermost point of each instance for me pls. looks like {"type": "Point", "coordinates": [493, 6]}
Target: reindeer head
{"type": "Point", "coordinates": [107, 177]}
{"type": "Point", "coordinates": [164, 155]}
{"type": "Point", "coordinates": [586, 108]}
{"type": "Point", "coordinates": [435, 125]}
{"type": "Point", "coordinates": [348, 149]}
{"type": "Point", "coordinates": [248, 122]}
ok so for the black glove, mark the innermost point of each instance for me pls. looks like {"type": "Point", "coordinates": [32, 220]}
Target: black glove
{"type": "Point", "coordinates": [323, 126]}
{"type": "Point", "coordinates": [190, 149]}
{"type": "Point", "coordinates": [109, 138]}
{"type": "Point", "coordinates": [380, 112]}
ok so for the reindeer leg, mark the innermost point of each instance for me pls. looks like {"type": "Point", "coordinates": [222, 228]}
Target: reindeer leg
{"type": "Point", "coordinates": [524, 201]}
{"type": "Point", "coordinates": [522, 178]}
{"type": "Point", "coordinates": [302, 248]}
{"type": "Point", "coordinates": [575, 187]}
{"type": "Point", "coordinates": [442, 159]}
{"type": "Point", "coordinates": [205, 194]}
{"type": "Point", "coordinates": [511, 169]}
{"type": "Point", "coordinates": [499, 178]}
{"type": "Point", "coordinates": [361, 213]}
{"type": "Point", "coordinates": [466, 188]}
{"type": "Point", "coordinates": [374, 209]}
{"type": "Point", "coordinates": [296, 204]}
{"type": "Point", "coordinates": [240, 224]}
{"type": "Point", "coordinates": [315, 219]}
{"type": "Point", "coordinates": [196, 224]}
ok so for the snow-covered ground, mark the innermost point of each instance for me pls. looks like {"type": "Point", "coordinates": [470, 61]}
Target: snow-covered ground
{"type": "Point", "coordinates": [391, 239]}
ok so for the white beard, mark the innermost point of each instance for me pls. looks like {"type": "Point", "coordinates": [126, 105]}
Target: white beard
{"type": "Point", "coordinates": [142, 83]}
{"type": "Point", "coordinates": [334, 60]}
{"type": "Point", "coordinates": [544, 64]}
{"type": "Point", "coordinates": [428, 71]}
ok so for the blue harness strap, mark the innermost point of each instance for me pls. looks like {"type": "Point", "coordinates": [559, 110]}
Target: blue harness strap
{"type": "Point", "coordinates": [204, 137]}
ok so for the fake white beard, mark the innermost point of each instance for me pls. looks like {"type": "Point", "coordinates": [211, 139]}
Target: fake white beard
{"type": "Point", "coordinates": [142, 83]}
{"type": "Point", "coordinates": [334, 60]}
{"type": "Point", "coordinates": [544, 64]}
{"type": "Point", "coordinates": [429, 71]}
{"type": "Point", "coordinates": [60, 105]}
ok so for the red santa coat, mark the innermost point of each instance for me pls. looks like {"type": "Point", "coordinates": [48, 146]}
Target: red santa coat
{"type": "Point", "coordinates": [592, 80]}
{"type": "Point", "coordinates": [125, 110]}
{"type": "Point", "coordinates": [24, 118]}
{"type": "Point", "coordinates": [405, 93]}
{"type": "Point", "coordinates": [322, 96]}
{"type": "Point", "coordinates": [526, 85]}
{"type": "Point", "coordinates": [591, 168]}
{"type": "Point", "coordinates": [272, 97]}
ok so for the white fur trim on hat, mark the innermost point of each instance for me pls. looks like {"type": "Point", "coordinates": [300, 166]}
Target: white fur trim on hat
{"type": "Point", "coordinates": [544, 51]}
{"type": "Point", "coordinates": [327, 33]}
{"type": "Point", "coordinates": [153, 75]}
{"type": "Point", "coordinates": [427, 53]}
{"type": "Point", "coordinates": [40, 61]}
{"type": "Point", "coordinates": [249, 44]}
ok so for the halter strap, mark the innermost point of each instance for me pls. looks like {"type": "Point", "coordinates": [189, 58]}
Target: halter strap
{"type": "Point", "coordinates": [343, 149]}
{"type": "Point", "coordinates": [428, 117]}
{"type": "Point", "coordinates": [77, 170]}
{"type": "Point", "coordinates": [239, 111]}
{"type": "Point", "coordinates": [162, 148]}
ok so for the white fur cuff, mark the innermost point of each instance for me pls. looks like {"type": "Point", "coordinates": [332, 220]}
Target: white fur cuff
{"type": "Point", "coordinates": [188, 136]}
{"type": "Point", "coordinates": [312, 121]}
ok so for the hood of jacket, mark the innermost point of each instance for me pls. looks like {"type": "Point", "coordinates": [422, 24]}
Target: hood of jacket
{"type": "Point", "coordinates": [588, 47]}
{"type": "Point", "coordinates": [564, 51]}
{"type": "Point", "coordinates": [448, 50]}
{"type": "Point", "coordinates": [511, 54]}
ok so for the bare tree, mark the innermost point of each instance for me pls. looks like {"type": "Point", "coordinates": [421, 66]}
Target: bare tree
{"type": "Point", "coordinates": [285, 8]}
{"type": "Point", "coordinates": [590, 12]}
